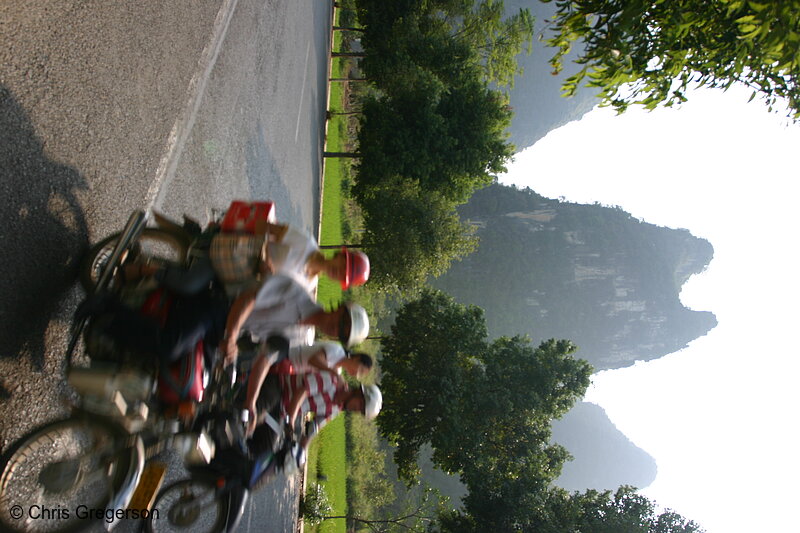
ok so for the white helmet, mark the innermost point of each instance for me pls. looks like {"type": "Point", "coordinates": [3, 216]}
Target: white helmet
{"type": "Point", "coordinates": [373, 400]}
{"type": "Point", "coordinates": [359, 325]}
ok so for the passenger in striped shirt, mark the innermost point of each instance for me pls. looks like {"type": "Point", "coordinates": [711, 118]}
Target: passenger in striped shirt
{"type": "Point", "coordinates": [322, 395]}
{"type": "Point", "coordinates": [325, 357]}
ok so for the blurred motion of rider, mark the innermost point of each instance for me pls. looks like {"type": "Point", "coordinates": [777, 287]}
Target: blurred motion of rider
{"type": "Point", "coordinates": [322, 356]}
{"type": "Point", "coordinates": [239, 259]}
{"type": "Point", "coordinates": [295, 397]}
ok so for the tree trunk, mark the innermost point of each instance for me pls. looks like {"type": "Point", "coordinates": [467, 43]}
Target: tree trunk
{"type": "Point", "coordinates": [338, 246]}
{"type": "Point", "coordinates": [347, 79]}
{"type": "Point", "coordinates": [343, 28]}
{"type": "Point", "coordinates": [347, 54]}
{"type": "Point", "coordinates": [341, 154]}
{"type": "Point", "coordinates": [342, 113]}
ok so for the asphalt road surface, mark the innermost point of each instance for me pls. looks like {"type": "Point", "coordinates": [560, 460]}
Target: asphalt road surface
{"type": "Point", "coordinates": [107, 107]}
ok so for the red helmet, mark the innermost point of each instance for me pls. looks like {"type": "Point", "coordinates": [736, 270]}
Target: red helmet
{"type": "Point", "coordinates": [356, 268]}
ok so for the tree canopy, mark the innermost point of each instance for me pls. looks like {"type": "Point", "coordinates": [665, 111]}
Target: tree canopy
{"type": "Point", "coordinates": [491, 403]}
{"type": "Point", "coordinates": [411, 235]}
{"type": "Point", "coordinates": [447, 140]}
{"type": "Point", "coordinates": [554, 510]}
{"type": "Point", "coordinates": [650, 52]}
{"type": "Point", "coordinates": [443, 34]}
{"type": "Point", "coordinates": [432, 129]}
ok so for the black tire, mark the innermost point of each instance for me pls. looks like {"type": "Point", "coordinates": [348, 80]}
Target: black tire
{"type": "Point", "coordinates": [157, 243]}
{"type": "Point", "coordinates": [188, 505]}
{"type": "Point", "coordinates": [55, 469]}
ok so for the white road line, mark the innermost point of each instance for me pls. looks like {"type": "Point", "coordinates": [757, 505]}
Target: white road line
{"type": "Point", "coordinates": [185, 122]}
{"type": "Point", "coordinates": [302, 93]}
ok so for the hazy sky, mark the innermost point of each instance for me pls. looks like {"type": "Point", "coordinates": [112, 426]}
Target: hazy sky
{"type": "Point", "coordinates": [720, 417]}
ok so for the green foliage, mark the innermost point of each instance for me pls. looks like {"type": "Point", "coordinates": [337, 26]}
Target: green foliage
{"type": "Point", "coordinates": [410, 235]}
{"type": "Point", "coordinates": [625, 510]}
{"type": "Point", "coordinates": [431, 131]}
{"type": "Point", "coordinates": [426, 361]}
{"type": "Point", "coordinates": [315, 505]}
{"type": "Point", "coordinates": [498, 41]}
{"type": "Point", "coordinates": [331, 464]}
{"type": "Point", "coordinates": [491, 404]}
{"type": "Point", "coordinates": [448, 140]}
{"type": "Point", "coordinates": [368, 486]}
{"type": "Point", "coordinates": [446, 37]}
{"type": "Point", "coordinates": [415, 513]}
{"type": "Point", "coordinates": [650, 52]}
{"type": "Point", "coordinates": [553, 510]}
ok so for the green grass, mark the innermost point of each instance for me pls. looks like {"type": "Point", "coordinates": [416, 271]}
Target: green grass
{"type": "Point", "coordinates": [331, 462]}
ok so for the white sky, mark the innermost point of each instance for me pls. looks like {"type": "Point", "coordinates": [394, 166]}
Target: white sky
{"type": "Point", "coordinates": [720, 417]}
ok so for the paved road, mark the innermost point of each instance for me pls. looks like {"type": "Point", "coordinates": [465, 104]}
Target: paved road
{"type": "Point", "coordinates": [106, 107]}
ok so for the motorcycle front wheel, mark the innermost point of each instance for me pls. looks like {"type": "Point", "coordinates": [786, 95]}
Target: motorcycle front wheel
{"type": "Point", "coordinates": [50, 477]}
{"type": "Point", "coordinates": [188, 505]}
{"type": "Point", "coordinates": [154, 244]}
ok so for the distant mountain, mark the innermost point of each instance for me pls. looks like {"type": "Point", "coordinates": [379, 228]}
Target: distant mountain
{"type": "Point", "coordinates": [604, 457]}
{"type": "Point", "coordinates": [592, 274]}
{"type": "Point", "coordinates": [536, 95]}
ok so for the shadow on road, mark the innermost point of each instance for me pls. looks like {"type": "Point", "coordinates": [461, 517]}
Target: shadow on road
{"type": "Point", "coordinates": [43, 234]}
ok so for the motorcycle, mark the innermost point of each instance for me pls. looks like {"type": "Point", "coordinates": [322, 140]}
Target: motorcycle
{"type": "Point", "coordinates": [214, 498]}
{"type": "Point", "coordinates": [91, 465]}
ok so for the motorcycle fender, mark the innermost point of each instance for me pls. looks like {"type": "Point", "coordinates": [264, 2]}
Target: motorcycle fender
{"type": "Point", "coordinates": [237, 500]}
{"type": "Point", "coordinates": [122, 495]}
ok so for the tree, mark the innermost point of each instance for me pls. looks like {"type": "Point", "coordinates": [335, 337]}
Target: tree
{"type": "Point", "coordinates": [440, 372]}
{"type": "Point", "coordinates": [498, 41]}
{"type": "Point", "coordinates": [627, 511]}
{"type": "Point", "coordinates": [415, 514]}
{"type": "Point", "coordinates": [410, 236]}
{"type": "Point", "coordinates": [450, 141]}
{"type": "Point", "coordinates": [440, 35]}
{"type": "Point", "coordinates": [553, 510]}
{"type": "Point", "coordinates": [426, 361]}
{"type": "Point", "coordinates": [649, 52]}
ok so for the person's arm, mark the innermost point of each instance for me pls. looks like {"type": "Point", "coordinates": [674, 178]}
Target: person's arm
{"type": "Point", "coordinates": [255, 381]}
{"type": "Point", "coordinates": [268, 232]}
{"type": "Point", "coordinates": [294, 405]}
{"type": "Point", "coordinates": [240, 311]}
{"type": "Point", "coordinates": [319, 361]}
{"type": "Point", "coordinates": [319, 423]}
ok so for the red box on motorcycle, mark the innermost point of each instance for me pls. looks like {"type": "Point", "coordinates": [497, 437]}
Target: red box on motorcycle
{"type": "Point", "coordinates": [242, 216]}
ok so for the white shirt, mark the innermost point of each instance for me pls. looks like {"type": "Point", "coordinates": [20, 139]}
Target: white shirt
{"type": "Point", "coordinates": [290, 255]}
{"type": "Point", "coordinates": [281, 303]}
{"type": "Point", "coordinates": [300, 355]}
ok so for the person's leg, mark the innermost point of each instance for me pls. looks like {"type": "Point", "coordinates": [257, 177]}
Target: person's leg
{"type": "Point", "coordinates": [192, 318]}
{"type": "Point", "coordinates": [129, 327]}
{"type": "Point", "coordinates": [270, 396]}
{"type": "Point", "coordinates": [187, 281]}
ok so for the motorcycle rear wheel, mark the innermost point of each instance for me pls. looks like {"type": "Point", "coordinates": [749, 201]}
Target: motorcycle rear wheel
{"type": "Point", "coordinates": [188, 505]}
{"type": "Point", "coordinates": [154, 243]}
{"type": "Point", "coordinates": [56, 469]}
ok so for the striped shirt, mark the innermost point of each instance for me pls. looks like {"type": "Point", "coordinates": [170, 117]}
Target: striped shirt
{"type": "Point", "coordinates": [322, 388]}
